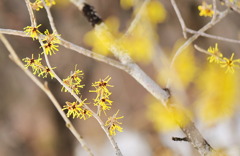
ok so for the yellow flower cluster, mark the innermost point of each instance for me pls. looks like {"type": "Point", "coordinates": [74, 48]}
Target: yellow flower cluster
{"type": "Point", "coordinates": [205, 10]}
{"type": "Point", "coordinates": [217, 57]}
{"type": "Point", "coordinates": [217, 95]}
{"type": "Point", "coordinates": [37, 67]}
{"type": "Point", "coordinates": [102, 99]}
{"type": "Point", "coordinates": [73, 81]}
{"type": "Point", "coordinates": [113, 124]}
{"type": "Point", "coordinates": [50, 41]}
{"type": "Point", "coordinates": [77, 110]}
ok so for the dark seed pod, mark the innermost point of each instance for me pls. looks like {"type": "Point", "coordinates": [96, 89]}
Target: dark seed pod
{"type": "Point", "coordinates": [91, 15]}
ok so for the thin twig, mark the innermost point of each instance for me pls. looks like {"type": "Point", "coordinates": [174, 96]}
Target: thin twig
{"type": "Point", "coordinates": [50, 18]}
{"type": "Point", "coordinates": [213, 36]}
{"type": "Point", "coordinates": [75, 48]}
{"type": "Point", "coordinates": [45, 89]}
{"type": "Point", "coordinates": [31, 14]}
{"type": "Point", "coordinates": [137, 18]}
{"type": "Point", "coordinates": [208, 53]}
{"type": "Point", "coordinates": [215, 12]}
{"type": "Point", "coordinates": [182, 23]}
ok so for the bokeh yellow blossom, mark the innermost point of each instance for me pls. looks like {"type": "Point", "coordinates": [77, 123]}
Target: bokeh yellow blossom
{"type": "Point", "coordinates": [127, 4]}
{"type": "Point", "coordinates": [138, 47]}
{"type": "Point", "coordinates": [218, 93]}
{"type": "Point", "coordinates": [166, 119]}
{"type": "Point", "coordinates": [103, 37]}
{"type": "Point", "coordinates": [155, 12]}
{"type": "Point", "coordinates": [50, 2]}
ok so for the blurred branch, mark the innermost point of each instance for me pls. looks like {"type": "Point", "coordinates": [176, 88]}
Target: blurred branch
{"type": "Point", "coordinates": [213, 36]}
{"type": "Point", "coordinates": [231, 5]}
{"type": "Point", "coordinates": [46, 90]}
{"type": "Point", "coordinates": [137, 17]}
{"type": "Point", "coordinates": [182, 23]}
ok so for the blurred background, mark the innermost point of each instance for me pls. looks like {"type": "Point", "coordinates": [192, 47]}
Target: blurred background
{"type": "Point", "coordinates": [31, 126]}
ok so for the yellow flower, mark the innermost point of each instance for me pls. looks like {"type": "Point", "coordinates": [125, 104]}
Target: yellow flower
{"type": "Point", "coordinates": [85, 114]}
{"type": "Point", "coordinates": [51, 38]}
{"type": "Point", "coordinates": [50, 41]}
{"type": "Point", "coordinates": [114, 125]}
{"type": "Point", "coordinates": [216, 54]}
{"type": "Point", "coordinates": [32, 31]}
{"type": "Point", "coordinates": [205, 10]}
{"type": "Point", "coordinates": [37, 5]}
{"type": "Point", "coordinates": [46, 71]}
{"type": "Point", "coordinates": [50, 2]}
{"type": "Point", "coordinates": [103, 104]}
{"type": "Point", "coordinates": [77, 110]}
{"type": "Point", "coordinates": [102, 99]}
{"type": "Point", "coordinates": [230, 64]}
{"type": "Point", "coordinates": [50, 48]}
{"type": "Point", "coordinates": [73, 109]}
{"type": "Point", "coordinates": [101, 87]}
{"type": "Point", "coordinates": [74, 81]}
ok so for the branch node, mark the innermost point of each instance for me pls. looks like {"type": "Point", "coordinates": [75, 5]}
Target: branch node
{"type": "Point", "coordinates": [180, 139]}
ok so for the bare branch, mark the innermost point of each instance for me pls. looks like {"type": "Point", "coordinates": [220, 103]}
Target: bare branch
{"type": "Point", "coordinates": [182, 23]}
{"type": "Point", "coordinates": [137, 17]}
{"type": "Point", "coordinates": [50, 18]}
{"type": "Point", "coordinates": [75, 48]}
{"type": "Point", "coordinates": [31, 14]}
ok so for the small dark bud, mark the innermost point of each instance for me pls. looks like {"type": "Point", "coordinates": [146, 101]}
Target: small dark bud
{"type": "Point", "coordinates": [180, 139]}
